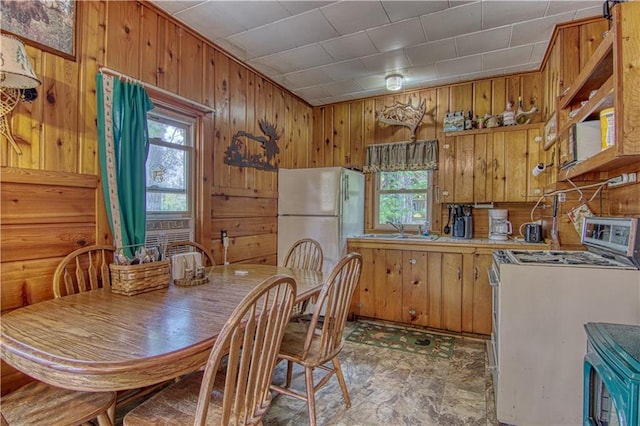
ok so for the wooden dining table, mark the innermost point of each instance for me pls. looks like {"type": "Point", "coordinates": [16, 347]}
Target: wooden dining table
{"type": "Point", "coordinates": [103, 341]}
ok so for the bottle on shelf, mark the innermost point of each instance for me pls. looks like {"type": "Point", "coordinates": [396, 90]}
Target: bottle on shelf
{"type": "Point", "coordinates": [468, 122]}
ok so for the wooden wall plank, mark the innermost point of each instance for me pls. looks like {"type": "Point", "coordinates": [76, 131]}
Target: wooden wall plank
{"type": "Point", "coordinates": [123, 37]}
{"type": "Point", "coordinates": [149, 46]}
{"type": "Point", "coordinates": [341, 136]}
{"type": "Point", "coordinates": [244, 207]}
{"type": "Point", "coordinates": [482, 98]}
{"type": "Point", "coordinates": [168, 55]}
{"type": "Point", "coordinates": [222, 137]}
{"type": "Point", "coordinates": [191, 67]}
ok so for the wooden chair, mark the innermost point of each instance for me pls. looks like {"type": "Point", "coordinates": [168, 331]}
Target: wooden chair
{"type": "Point", "coordinates": [321, 342]}
{"type": "Point", "coordinates": [304, 254]}
{"type": "Point", "coordinates": [189, 246]}
{"type": "Point", "coordinates": [251, 338]}
{"type": "Point", "coordinates": [84, 269]}
{"type": "Point", "coordinates": [38, 403]}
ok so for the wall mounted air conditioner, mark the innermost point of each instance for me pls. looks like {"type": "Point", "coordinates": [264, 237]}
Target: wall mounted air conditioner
{"type": "Point", "coordinates": [161, 232]}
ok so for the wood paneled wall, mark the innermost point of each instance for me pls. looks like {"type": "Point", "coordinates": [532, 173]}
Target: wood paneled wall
{"type": "Point", "coordinates": [342, 131]}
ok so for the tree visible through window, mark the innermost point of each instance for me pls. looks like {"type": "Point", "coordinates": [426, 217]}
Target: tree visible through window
{"type": "Point", "coordinates": [169, 165]}
{"type": "Point", "coordinates": [403, 197]}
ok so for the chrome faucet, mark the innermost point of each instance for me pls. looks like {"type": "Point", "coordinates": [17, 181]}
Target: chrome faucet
{"type": "Point", "coordinates": [398, 227]}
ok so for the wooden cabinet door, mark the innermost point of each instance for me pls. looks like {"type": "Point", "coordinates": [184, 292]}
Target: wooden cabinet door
{"type": "Point", "coordinates": [510, 166]}
{"type": "Point", "coordinates": [452, 291]}
{"type": "Point", "coordinates": [414, 288]}
{"type": "Point", "coordinates": [388, 284]}
{"type": "Point", "coordinates": [482, 170]}
{"type": "Point", "coordinates": [481, 313]}
{"type": "Point", "coordinates": [363, 301]}
{"type": "Point", "coordinates": [434, 292]}
{"type": "Point", "coordinates": [464, 161]}
{"type": "Point", "coordinates": [535, 187]}
{"type": "Point", "coordinates": [446, 171]}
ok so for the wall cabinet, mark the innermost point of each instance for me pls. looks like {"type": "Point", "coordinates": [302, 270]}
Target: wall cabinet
{"type": "Point", "coordinates": [491, 165]}
{"type": "Point", "coordinates": [446, 290]}
{"type": "Point", "coordinates": [609, 78]}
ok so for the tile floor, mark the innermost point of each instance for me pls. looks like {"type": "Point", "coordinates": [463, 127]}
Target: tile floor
{"type": "Point", "coordinates": [391, 387]}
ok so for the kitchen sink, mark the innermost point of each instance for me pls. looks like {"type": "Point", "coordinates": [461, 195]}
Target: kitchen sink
{"type": "Point", "coordinates": [401, 237]}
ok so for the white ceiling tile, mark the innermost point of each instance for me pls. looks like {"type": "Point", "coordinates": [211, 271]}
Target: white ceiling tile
{"type": "Point", "coordinates": [507, 57]}
{"type": "Point", "coordinates": [589, 12]}
{"type": "Point", "coordinates": [399, 10]}
{"type": "Point", "coordinates": [172, 7]}
{"type": "Point", "coordinates": [460, 65]}
{"type": "Point", "coordinates": [521, 68]}
{"type": "Point", "coordinates": [350, 16]}
{"type": "Point", "coordinates": [303, 45]}
{"type": "Point", "coordinates": [339, 88]}
{"type": "Point", "coordinates": [452, 22]}
{"type": "Point", "coordinates": [389, 61]}
{"type": "Point", "coordinates": [499, 13]}
{"type": "Point", "coordinates": [539, 50]}
{"type": "Point", "coordinates": [251, 14]}
{"type": "Point", "coordinates": [309, 56]}
{"type": "Point", "coordinates": [397, 35]}
{"type": "Point", "coordinates": [199, 16]}
{"type": "Point", "coordinates": [306, 78]}
{"type": "Point", "coordinates": [312, 92]}
{"type": "Point", "coordinates": [310, 28]}
{"type": "Point", "coordinates": [296, 7]}
{"type": "Point", "coordinates": [537, 29]}
{"type": "Point", "coordinates": [350, 46]}
{"type": "Point", "coordinates": [423, 73]}
{"type": "Point", "coordinates": [371, 82]}
{"type": "Point", "coordinates": [429, 53]}
{"type": "Point", "coordinates": [347, 69]}
{"type": "Point", "coordinates": [482, 41]}
{"type": "Point", "coordinates": [560, 6]}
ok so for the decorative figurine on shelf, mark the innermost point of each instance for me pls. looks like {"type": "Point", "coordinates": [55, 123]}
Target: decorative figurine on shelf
{"type": "Point", "coordinates": [509, 116]}
{"type": "Point", "coordinates": [491, 121]}
{"type": "Point", "coordinates": [524, 117]}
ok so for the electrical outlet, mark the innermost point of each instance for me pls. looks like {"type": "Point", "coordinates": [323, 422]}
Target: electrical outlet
{"type": "Point", "coordinates": [622, 179]}
{"type": "Point", "coordinates": [562, 197]}
{"type": "Point", "coordinates": [223, 234]}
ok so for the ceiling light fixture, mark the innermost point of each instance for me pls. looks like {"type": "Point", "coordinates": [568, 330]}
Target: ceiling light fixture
{"type": "Point", "coordinates": [394, 82]}
{"type": "Point", "coordinates": [16, 74]}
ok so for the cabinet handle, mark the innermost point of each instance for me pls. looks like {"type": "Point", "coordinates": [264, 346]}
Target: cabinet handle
{"type": "Point", "coordinates": [412, 261]}
{"type": "Point", "coordinates": [412, 313]}
{"type": "Point", "coordinates": [495, 164]}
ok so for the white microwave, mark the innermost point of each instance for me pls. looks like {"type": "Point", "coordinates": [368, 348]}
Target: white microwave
{"type": "Point", "coordinates": [582, 141]}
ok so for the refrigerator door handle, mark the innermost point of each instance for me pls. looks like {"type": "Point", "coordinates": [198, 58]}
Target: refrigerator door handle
{"type": "Point", "coordinates": [346, 188]}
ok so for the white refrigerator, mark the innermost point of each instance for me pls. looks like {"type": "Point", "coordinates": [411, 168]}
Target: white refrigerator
{"type": "Point", "coordinates": [326, 204]}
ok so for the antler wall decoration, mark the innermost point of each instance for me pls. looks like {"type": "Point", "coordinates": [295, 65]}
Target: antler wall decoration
{"type": "Point", "coordinates": [404, 115]}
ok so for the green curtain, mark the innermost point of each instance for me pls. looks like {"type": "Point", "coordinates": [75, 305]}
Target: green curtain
{"type": "Point", "coordinates": [124, 144]}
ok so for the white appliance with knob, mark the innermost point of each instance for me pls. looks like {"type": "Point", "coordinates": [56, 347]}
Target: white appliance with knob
{"type": "Point", "coordinates": [499, 225]}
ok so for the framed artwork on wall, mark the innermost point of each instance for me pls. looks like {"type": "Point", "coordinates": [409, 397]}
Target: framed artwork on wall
{"type": "Point", "coordinates": [48, 25]}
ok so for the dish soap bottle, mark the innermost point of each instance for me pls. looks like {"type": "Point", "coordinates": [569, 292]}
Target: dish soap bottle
{"type": "Point", "coordinates": [426, 228]}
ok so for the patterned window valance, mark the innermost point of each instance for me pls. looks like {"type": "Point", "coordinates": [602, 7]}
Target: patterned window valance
{"type": "Point", "coordinates": [420, 155]}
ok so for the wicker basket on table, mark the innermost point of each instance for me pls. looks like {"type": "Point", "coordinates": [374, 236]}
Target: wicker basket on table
{"type": "Point", "coordinates": [140, 278]}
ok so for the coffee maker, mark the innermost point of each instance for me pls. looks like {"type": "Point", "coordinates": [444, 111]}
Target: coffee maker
{"type": "Point", "coordinates": [462, 221]}
{"type": "Point", "coordinates": [499, 226]}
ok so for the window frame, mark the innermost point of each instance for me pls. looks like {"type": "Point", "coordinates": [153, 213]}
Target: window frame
{"type": "Point", "coordinates": [190, 123]}
{"type": "Point", "coordinates": [429, 201]}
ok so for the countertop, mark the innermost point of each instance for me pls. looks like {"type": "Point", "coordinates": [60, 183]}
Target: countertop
{"type": "Point", "coordinates": [434, 239]}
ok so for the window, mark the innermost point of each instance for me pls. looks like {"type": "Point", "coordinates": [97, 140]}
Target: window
{"type": "Point", "coordinates": [169, 164]}
{"type": "Point", "coordinates": [403, 197]}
